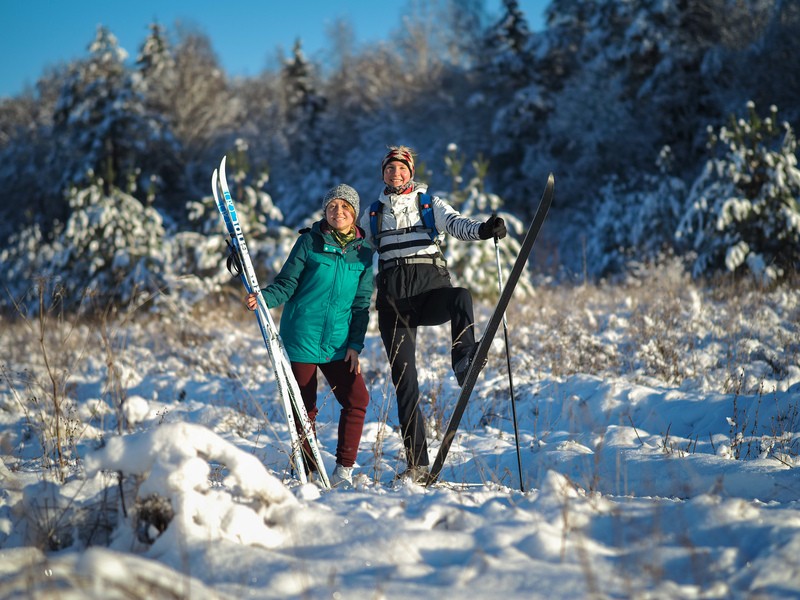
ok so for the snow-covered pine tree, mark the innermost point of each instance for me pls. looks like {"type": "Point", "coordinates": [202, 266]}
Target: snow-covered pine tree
{"type": "Point", "coordinates": [668, 54]}
{"type": "Point", "coordinates": [307, 171]}
{"type": "Point", "coordinates": [742, 213]}
{"type": "Point", "coordinates": [620, 80]}
{"type": "Point", "coordinates": [111, 246]}
{"type": "Point", "coordinates": [511, 80]}
{"type": "Point", "coordinates": [155, 78]}
{"type": "Point", "coordinates": [761, 66]}
{"type": "Point", "coordinates": [157, 69]}
{"type": "Point", "coordinates": [506, 58]}
{"type": "Point", "coordinates": [464, 24]}
{"type": "Point", "coordinates": [305, 103]}
{"type": "Point", "coordinates": [592, 124]}
{"type": "Point", "coordinates": [101, 124]}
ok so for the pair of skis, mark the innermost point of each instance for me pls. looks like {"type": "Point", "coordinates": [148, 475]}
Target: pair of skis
{"type": "Point", "coordinates": [288, 389]}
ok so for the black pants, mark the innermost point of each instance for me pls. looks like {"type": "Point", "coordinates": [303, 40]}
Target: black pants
{"type": "Point", "coordinates": [399, 335]}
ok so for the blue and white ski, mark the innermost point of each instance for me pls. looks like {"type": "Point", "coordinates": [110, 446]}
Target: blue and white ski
{"type": "Point", "coordinates": [287, 385]}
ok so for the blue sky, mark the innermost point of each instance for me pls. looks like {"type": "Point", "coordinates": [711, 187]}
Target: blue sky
{"type": "Point", "coordinates": [244, 33]}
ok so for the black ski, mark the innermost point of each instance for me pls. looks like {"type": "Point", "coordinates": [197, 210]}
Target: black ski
{"type": "Point", "coordinates": [479, 359]}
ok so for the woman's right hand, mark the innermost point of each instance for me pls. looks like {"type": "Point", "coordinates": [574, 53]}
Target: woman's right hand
{"type": "Point", "coordinates": [352, 358]}
{"type": "Point", "coordinates": [251, 301]}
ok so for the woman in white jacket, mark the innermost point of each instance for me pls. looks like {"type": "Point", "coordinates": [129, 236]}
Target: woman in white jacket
{"type": "Point", "coordinates": [414, 287]}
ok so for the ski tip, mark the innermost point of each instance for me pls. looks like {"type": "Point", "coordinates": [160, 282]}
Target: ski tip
{"type": "Point", "coordinates": [551, 179]}
{"type": "Point", "coordinates": [223, 179]}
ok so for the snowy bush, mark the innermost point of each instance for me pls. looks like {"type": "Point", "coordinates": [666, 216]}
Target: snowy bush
{"type": "Point", "coordinates": [635, 222]}
{"type": "Point", "coordinates": [196, 266]}
{"type": "Point", "coordinates": [244, 510]}
{"type": "Point", "coordinates": [742, 213]}
{"type": "Point", "coordinates": [111, 246]}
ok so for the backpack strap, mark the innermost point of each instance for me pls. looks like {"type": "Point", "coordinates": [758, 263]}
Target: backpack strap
{"type": "Point", "coordinates": [375, 218]}
{"type": "Point", "coordinates": [425, 203]}
{"type": "Point", "coordinates": [425, 208]}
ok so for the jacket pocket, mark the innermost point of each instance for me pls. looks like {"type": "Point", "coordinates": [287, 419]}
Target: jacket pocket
{"type": "Point", "coordinates": [356, 267]}
{"type": "Point", "coordinates": [319, 261]}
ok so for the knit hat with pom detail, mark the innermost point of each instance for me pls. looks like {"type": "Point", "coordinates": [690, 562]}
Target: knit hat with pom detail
{"type": "Point", "coordinates": [343, 191]}
{"type": "Point", "coordinates": [399, 154]}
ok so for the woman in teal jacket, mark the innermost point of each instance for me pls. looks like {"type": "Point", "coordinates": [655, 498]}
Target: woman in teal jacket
{"type": "Point", "coordinates": [326, 286]}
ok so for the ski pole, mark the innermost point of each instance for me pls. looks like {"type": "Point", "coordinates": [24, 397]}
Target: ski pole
{"type": "Point", "coordinates": [508, 363]}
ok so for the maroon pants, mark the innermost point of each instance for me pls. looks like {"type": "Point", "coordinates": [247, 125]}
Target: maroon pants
{"type": "Point", "coordinates": [351, 393]}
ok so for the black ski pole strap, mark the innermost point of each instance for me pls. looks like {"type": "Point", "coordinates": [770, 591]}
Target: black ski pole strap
{"type": "Point", "coordinates": [234, 263]}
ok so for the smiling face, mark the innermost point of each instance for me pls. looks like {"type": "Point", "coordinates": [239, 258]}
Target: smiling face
{"type": "Point", "coordinates": [340, 215]}
{"type": "Point", "coordinates": [396, 174]}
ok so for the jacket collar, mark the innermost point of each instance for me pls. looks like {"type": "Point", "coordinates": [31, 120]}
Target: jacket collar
{"type": "Point", "coordinates": [389, 199]}
{"type": "Point", "coordinates": [322, 229]}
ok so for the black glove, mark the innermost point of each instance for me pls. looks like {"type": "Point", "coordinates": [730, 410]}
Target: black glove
{"type": "Point", "coordinates": [494, 227]}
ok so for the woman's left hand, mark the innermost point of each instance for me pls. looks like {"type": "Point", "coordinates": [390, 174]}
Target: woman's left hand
{"type": "Point", "coordinates": [251, 301]}
{"type": "Point", "coordinates": [352, 358]}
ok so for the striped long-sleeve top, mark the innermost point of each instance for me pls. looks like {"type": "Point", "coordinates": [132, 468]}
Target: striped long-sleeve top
{"type": "Point", "coordinates": [401, 212]}
{"type": "Point", "coordinates": [410, 262]}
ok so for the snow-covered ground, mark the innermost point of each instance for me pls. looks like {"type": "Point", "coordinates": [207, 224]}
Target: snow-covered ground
{"type": "Point", "coordinates": [659, 430]}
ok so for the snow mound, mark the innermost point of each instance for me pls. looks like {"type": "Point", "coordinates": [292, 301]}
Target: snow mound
{"type": "Point", "coordinates": [173, 463]}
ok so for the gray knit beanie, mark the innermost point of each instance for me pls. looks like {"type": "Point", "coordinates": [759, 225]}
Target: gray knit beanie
{"type": "Point", "coordinates": [343, 191]}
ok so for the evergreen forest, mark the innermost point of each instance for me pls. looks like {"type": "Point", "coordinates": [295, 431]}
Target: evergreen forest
{"type": "Point", "coordinates": [668, 124]}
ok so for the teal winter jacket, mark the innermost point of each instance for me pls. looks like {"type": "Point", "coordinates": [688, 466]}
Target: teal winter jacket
{"type": "Point", "coordinates": [326, 290]}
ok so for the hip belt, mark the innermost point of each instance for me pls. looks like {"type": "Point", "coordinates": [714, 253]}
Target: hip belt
{"type": "Point", "coordinates": [412, 260]}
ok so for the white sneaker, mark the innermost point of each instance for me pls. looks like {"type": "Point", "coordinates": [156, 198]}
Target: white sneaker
{"type": "Point", "coordinates": [342, 477]}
